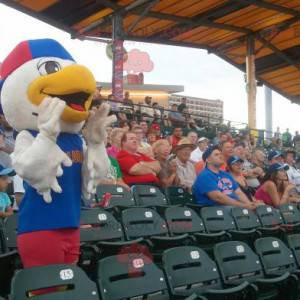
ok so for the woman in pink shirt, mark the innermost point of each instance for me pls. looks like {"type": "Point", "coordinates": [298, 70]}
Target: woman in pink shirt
{"type": "Point", "coordinates": [275, 189]}
{"type": "Point", "coordinates": [115, 138]}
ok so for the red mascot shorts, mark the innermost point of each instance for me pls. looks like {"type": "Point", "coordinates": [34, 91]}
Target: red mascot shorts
{"type": "Point", "coordinates": [48, 247]}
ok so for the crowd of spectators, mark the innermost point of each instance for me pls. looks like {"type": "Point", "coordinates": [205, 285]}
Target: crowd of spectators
{"type": "Point", "coordinates": [225, 168]}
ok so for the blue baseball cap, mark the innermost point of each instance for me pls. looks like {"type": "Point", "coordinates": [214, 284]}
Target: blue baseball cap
{"type": "Point", "coordinates": [7, 171]}
{"type": "Point", "coordinates": [206, 154]}
{"type": "Point", "coordinates": [274, 154]}
{"type": "Point", "coordinates": [234, 159]}
{"type": "Point", "coordinates": [277, 167]}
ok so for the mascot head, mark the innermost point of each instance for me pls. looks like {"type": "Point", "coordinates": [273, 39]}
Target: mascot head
{"type": "Point", "coordinates": [36, 69]}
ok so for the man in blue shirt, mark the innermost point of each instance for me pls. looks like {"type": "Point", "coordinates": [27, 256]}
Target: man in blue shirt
{"type": "Point", "coordinates": [216, 187]}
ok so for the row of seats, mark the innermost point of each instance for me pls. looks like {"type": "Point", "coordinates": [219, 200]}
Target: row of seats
{"type": "Point", "coordinates": [270, 271]}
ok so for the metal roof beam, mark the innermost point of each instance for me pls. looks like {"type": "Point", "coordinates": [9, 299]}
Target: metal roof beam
{"type": "Point", "coordinates": [271, 6]}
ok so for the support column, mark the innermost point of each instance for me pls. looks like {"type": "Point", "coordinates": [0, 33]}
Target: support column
{"type": "Point", "coordinates": [118, 58]}
{"type": "Point", "coordinates": [251, 82]}
{"type": "Point", "coordinates": [268, 112]}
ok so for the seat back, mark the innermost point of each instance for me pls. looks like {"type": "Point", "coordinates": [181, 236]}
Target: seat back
{"type": "Point", "coordinates": [183, 220]}
{"type": "Point", "coordinates": [237, 262]}
{"type": "Point", "coordinates": [11, 231]}
{"type": "Point", "coordinates": [56, 282]}
{"type": "Point", "coordinates": [190, 268]}
{"type": "Point", "coordinates": [244, 218]}
{"type": "Point", "coordinates": [275, 256]}
{"type": "Point", "coordinates": [216, 219]}
{"type": "Point", "coordinates": [2, 238]}
{"type": "Point", "coordinates": [119, 195]}
{"type": "Point", "coordinates": [147, 195]}
{"type": "Point", "coordinates": [269, 216]}
{"type": "Point", "coordinates": [143, 222]}
{"type": "Point", "coordinates": [177, 195]}
{"type": "Point", "coordinates": [294, 244]}
{"type": "Point", "coordinates": [290, 213]}
{"type": "Point", "coordinates": [99, 225]}
{"type": "Point", "coordinates": [128, 276]}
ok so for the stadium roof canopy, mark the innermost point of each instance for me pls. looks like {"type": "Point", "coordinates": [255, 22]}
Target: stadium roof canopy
{"type": "Point", "coordinates": [219, 26]}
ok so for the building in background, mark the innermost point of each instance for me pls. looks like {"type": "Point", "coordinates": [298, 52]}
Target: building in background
{"type": "Point", "coordinates": [211, 109]}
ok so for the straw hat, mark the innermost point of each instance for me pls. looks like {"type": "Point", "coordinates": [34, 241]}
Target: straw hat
{"type": "Point", "coordinates": [184, 143]}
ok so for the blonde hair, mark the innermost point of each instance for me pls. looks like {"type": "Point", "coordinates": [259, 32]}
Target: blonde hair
{"type": "Point", "coordinates": [159, 143]}
{"type": "Point", "coordinates": [115, 132]}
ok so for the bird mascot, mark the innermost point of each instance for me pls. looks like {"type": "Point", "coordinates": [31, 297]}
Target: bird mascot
{"type": "Point", "coordinates": [46, 97]}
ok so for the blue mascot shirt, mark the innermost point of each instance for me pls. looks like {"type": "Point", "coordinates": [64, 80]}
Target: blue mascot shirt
{"type": "Point", "coordinates": [64, 210]}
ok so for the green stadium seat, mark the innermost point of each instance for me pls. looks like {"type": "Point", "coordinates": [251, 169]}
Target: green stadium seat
{"type": "Point", "coordinates": [132, 276]}
{"type": "Point", "coordinates": [291, 217]}
{"type": "Point", "coordinates": [270, 220]}
{"type": "Point", "coordinates": [178, 196]}
{"type": "Point", "coordinates": [182, 220]}
{"type": "Point", "coordinates": [141, 222]}
{"type": "Point", "coordinates": [238, 263]}
{"type": "Point", "coordinates": [10, 231]}
{"type": "Point", "coordinates": [293, 241]}
{"type": "Point", "coordinates": [189, 270]}
{"type": "Point", "coordinates": [121, 197]}
{"type": "Point", "coordinates": [217, 222]}
{"type": "Point", "coordinates": [149, 196]}
{"type": "Point", "coordinates": [247, 223]}
{"type": "Point", "coordinates": [57, 282]}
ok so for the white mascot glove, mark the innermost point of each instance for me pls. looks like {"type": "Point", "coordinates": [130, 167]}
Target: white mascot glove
{"type": "Point", "coordinates": [39, 160]}
{"type": "Point", "coordinates": [96, 161]}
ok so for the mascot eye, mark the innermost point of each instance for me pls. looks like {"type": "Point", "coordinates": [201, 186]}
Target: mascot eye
{"type": "Point", "coordinates": [49, 67]}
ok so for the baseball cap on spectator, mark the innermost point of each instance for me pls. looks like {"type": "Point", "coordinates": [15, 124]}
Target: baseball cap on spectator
{"type": "Point", "coordinates": [202, 139]}
{"type": "Point", "coordinates": [234, 159]}
{"type": "Point", "coordinates": [206, 154]}
{"type": "Point", "coordinates": [274, 154]}
{"type": "Point", "coordinates": [7, 171]}
{"type": "Point", "coordinates": [184, 143]}
{"type": "Point", "coordinates": [155, 127]}
{"type": "Point", "coordinates": [277, 167]}
{"type": "Point", "coordinates": [297, 159]}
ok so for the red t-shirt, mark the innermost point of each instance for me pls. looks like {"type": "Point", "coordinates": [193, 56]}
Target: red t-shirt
{"type": "Point", "coordinates": [127, 161]}
{"type": "Point", "coordinates": [174, 140]}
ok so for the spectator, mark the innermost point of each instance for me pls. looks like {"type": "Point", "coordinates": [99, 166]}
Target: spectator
{"type": "Point", "coordinates": [175, 117]}
{"type": "Point", "coordinates": [227, 151]}
{"type": "Point", "coordinates": [157, 111]}
{"type": "Point", "coordinates": [156, 128]}
{"type": "Point", "coordinates": [193, 137]}
{"type": "Point", "coordinates": [127, 100]}
{"type": "Point", "coordinates": [7, 142]}
{"type": "Point", "coordinates": [168, 173]}
{"type": "Point", "coordinates": [216, 187]}
{"type": "Point", "coordinates": [182, 106]}
{"type": "Point", "coordinates": [108, 134]}
{"type": "Point", "coordinates": [292, 173]}
{"type": "Point", "coordinates": [18, 191]}
{"type": "Point", "coordinates": [175, 137]}
{"type": "Point", "coordinates": [151, 137]}
{"type": "Point", "coordinates": [136, 168]}
{"type": "Point", "coordinates": [258, 159]}
{"type": "Point", "coordinates": [147, 110]}
{"type": "Point", "coordinates": [145, 128]}
{"type": "Point", "coordinates": [296, 141]}
{"type": "Point", "coordinates": [277, 134]}
{"type": "Point", "coordinates": [274, 157]}
{"type": "Point", "coordinates": [143, 147]}
{"type": "Point", "coordinates": [114, 176]}
{"type": "Point", "coordinates": [6, 209]}
{"type": "Point", "coordinates": [115, 139]}
{"type": "Point", "coordinates": [235, 165]}
{"type": "Point", "coordinates": [124, 125]}
{"type": "Point", "coordinates": [275, 189]}
{"type": "Point", "coordinates": [287, 139]}
{"type": "Point", "coordinates": [185, 168]}
{"type": "Point", "coordinates": [196, 155]}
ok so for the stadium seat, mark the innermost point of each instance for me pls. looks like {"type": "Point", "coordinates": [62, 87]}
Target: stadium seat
{"type": "Point", "coordinates": [238, 263]}
{"type": "Point", "coordinates": [132, 276]}
{"type": "Point", "coordinates": [141, 222]}
{"type": "Point", "coordinates": [120, 197]}
{"type": "Point", "coordinates": [10, 231]}
{"type": "Point", "coordinates": [3, 248]}
{"type": "Point", "coordinates": [178, 196]}
{"type": "Point", "coordinates": [217, 222]}
{"type": "Point", "coordinates": [149, 196]}
{"type": "Point", "coordinates": [270, 220]}
{"type": "Point", "coordinates": [189, 270]}
{"type": "Point", "coordinates": [247, 223]}
{"type": "Point", "coordinates": [57, 282]}
{"type": "Point", "coordinates": [293, 241]}
{"type": "Point", "coordinates": [291, 217]}
{"type": "Point", "coordinates": [183, 220]}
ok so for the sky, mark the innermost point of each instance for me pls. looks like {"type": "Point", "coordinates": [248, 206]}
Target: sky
{"type": "Point", "coordinates": [202, 75]}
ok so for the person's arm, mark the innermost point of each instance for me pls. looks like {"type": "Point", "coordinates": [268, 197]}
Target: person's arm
{"type": "Point", "coordinates": [140, 169]}
{"type": "Point", "coordinates": [223, 199]}
{"type": "Point", "coordinates": [242, 197]}
{"type": "Point", "coordinates": [121, 182]}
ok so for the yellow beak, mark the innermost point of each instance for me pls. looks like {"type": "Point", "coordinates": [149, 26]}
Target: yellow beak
{"type": "Point", "coordinates": [73, 84]}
